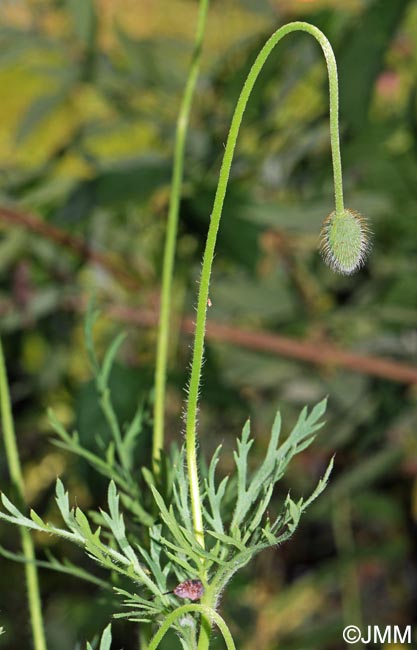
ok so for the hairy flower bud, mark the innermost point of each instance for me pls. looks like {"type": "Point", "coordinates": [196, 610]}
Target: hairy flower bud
{"type": "Point", "coordinates": [345, 241]}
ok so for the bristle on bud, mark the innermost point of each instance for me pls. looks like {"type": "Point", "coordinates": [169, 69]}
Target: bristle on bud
{"type": "Point", "coordinates": [345, 241]}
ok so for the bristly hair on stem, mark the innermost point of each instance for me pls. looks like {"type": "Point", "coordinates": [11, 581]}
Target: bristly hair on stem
{"type": "Point", "coordinates": [198, 350]}
{"type": "Point", "coordinates": [205, 530]}
{"type": "Point", "coordinates": [239, 521]}
{"type": "Point", "coordinates": [339, 242]}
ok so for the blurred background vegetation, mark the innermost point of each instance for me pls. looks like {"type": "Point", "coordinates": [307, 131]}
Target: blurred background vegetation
{"type": "Point", "coordinates": [89, 97]}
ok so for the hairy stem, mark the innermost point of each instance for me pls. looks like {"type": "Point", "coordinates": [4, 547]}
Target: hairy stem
{"type": "Point", "coordinates": [198, 351]}
{"type": "Point", "coordinates": [209, 614]}
{"type": "Point", "coordinates": [208, 600]}
{"type": "Point", "coordinates": [16, 477]}
{"type": "Point", "coordinates": [171, 236]}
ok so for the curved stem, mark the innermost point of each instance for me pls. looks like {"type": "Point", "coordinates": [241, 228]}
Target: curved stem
{"type": "Point", "coordinates": [208, 613]}
{"type": "Point", "coordinates": [13, 461]}
{"type": "Point", "coordinates": [198, 351]}
{"type": "Point", "coordinates": [171, 236]}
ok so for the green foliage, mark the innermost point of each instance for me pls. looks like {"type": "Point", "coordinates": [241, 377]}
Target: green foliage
{"type": "Point", "coordinates": [105, 641]}
{"type": "Point", "coordinates": [368, 44]}
{"type": "Point", "coordinates": [85, 20]}
{"type": "Point", "coordinates": [104, 175]}
{"type": "Point", "coordinates": [117, 464]}
{"type": "Point", "coordinates": [235, 509]}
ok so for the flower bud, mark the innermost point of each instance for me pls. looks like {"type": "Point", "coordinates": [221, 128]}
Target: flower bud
{"type": "Point", "coordinates": [345, 241]}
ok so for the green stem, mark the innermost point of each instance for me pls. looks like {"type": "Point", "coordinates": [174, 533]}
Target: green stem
{"type": "Point", "coordinates": [198, 351]}
{"type": "Point", "coordinates": [12, 454]}
{"type": "Point", "coordinates": [171, 236]}
{"type": "Point", "coordinates": [205, 628]}
{"type": "Point", "coordinates": [349, 580]}
{"type": "Point", "coordinates": [203, 609]}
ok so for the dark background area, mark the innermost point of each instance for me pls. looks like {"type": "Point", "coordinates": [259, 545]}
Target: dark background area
{"type": "Point", "coordinates": [89, 97]}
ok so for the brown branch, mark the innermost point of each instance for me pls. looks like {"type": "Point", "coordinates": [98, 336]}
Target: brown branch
{"type": "Point", "coordinates": [321, 354]}
{"type": "Point", "coordinates": [73, 243]}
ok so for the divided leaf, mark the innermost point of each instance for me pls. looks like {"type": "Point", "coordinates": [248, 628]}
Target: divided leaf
{"type": "Point", "coordinates": [235, 510]}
